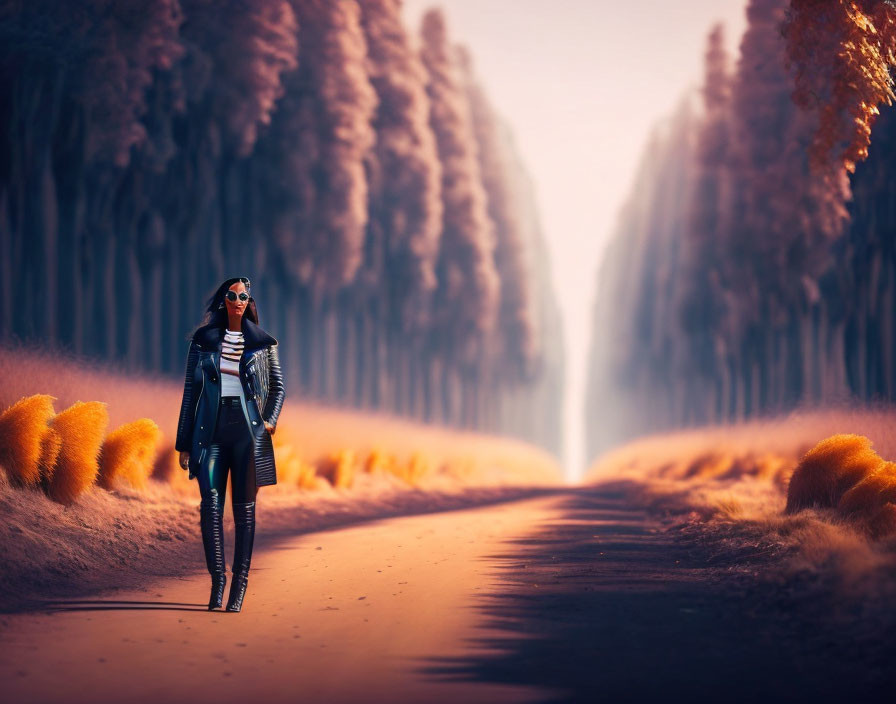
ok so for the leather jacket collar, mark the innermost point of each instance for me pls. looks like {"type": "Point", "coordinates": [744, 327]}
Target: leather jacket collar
{"type": "Point", "coordinates": [210, 337]}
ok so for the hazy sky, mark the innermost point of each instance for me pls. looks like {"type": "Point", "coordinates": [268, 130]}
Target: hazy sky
{"type": "Point", "coordinates": [581, 83]}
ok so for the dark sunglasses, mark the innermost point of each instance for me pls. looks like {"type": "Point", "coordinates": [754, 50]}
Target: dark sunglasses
{"type": "Point", "coordinates": [232, 296]}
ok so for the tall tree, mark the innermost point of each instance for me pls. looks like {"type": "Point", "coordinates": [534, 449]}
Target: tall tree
{"type": "Point", "coordinates": [405, 219]}
{"type": "Point", "coordinates": [782, 220]}
{"type": "Point", "coordinates": [702, 298]}
{"type": "Point", "coordinates": [316, 182]}
{"type": "Point", "coordinates": [518, 338]}
{"type": "Point", "coordinates": [467, 295]}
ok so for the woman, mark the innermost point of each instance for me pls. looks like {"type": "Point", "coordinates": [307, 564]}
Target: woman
{"type": "Point", "coordinates": [233, 393]}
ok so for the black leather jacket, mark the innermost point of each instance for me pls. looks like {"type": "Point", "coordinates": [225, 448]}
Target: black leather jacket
{"type": "Point", "coordinates": [263, 395]}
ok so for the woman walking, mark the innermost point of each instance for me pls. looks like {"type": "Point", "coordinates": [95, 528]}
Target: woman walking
{"type": "Point", "coordinates": [233, 393]}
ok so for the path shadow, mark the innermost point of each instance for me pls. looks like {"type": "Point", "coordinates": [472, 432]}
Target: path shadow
{"type": "Point", "coordinates": [602, 605]}
{"type": "Point", "coordinates": [115, 605]}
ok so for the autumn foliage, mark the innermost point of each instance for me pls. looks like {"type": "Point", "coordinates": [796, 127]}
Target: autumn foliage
{"type": "Point", "coordinates": [843, 51]}
{"type": "Point", "coordinates": [829, 470]}
{"type": "Point", "coordinates": [25, 438]}
{"type": "Point", "coordinates": [844, 473]}
{"type": "Point", "coordinates": [66, 453]}
{"type": "Point", "coordinates": [128, 453]}
{"type": "Point", "coordinates": [338, 468]}
{"type": "Point", "coordinates": [81, 428]}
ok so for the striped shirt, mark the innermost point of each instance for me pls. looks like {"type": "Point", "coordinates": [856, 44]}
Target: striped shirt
{"type": "Point", "coordinates": [231, 352]}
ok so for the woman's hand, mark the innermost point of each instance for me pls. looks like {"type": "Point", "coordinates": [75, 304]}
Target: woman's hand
{"type": "Point", "coordinates": [269, 427]}
{"type": "Point", "coordinates": [184, 459]}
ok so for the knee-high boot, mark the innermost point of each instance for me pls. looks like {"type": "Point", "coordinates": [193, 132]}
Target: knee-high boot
{"type": "Point", "coordinates": [244, 524]}
{"type": "Point", "coordinates": [211, 518]}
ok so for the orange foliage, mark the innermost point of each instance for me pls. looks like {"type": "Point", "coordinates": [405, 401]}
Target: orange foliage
{"type": "Point", "coordinates": [845, 473]}
{"type": "Point", "coordinates": [829, 470]}
{"type": "Point", "coordinates": [129, 453]}
{"type": "Point", "coordinates": [81, 427]}
{"type": "Point", "coordinates": [288, 464]}
{"type": "Point", "coordinates": [723, 464]}
{"type": "Point", "coordinates": [307, 476]}
{"type": "Point", "coordinates": [50, 447]}
{"type": "Point", "coordinates": [293, 471]}
{"type": "Point", "coordinates": [23, 429]}
{"type": "Point", "coordinates": [338, 468]}
{"type": "Point", "coordinates": [415, 469]}
{"type": "Point", "coordinates": [873, 501]}
{"type": "Point", "coordinates": [843, 51]}
{"type": "Point", "coordinates": [379, 461]}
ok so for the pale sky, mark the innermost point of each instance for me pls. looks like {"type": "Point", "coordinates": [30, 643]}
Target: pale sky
{"type": "Point", "coordinates": [581, 82]}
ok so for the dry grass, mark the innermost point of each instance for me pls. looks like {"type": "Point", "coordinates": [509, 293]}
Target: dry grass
{"type": "Point", "coordinates": [809, 487]}
{"type": "Point", "coordinates": [81, 427]}
{"type": "Point", "coordinates": [24, 441]}
{"type": "Point", "coordinates": [460, 468]}
{"type": "Point", "coordinates": [128, 454]}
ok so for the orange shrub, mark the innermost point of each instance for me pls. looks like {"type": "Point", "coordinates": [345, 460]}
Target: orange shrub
{"type": "Point", "coordinates": [378, 460]}
{"type": "Point", "coordinates": [50, 447]}
{"type": "Point", "coordinates": [338, 468]}
{"type": "Point", "coordinates": [128, 454]}
{"type": "Point", "coordinates": [23, 428]}
{"type": "Point", "coordinates": [829, 470]}
{"type": "Point", "coordinates": [81, 427]}
{"type": "Point", "coordinates": [414, 470]}
{"type": "Point", "coordinates": [872, 501]}
{"type": "Point", "coordinates": [292, 472]}
{"type": "Point", "coordinates": [287, 466]}
{"type": "Point", "coordinates": [307, 476]}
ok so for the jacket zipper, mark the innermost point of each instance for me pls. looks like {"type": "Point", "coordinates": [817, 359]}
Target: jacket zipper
{"type": "Point", "coordinates": [196, 412]}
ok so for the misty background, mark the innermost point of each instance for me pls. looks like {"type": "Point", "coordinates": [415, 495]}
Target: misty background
{"type": "Point", "coordinates": [582, 83]}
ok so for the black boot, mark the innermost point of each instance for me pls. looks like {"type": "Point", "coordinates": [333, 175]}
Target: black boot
{"type": "Point", "coordinates": [211, 519]}
{"type": "Point", "coordinates": [244, 535]}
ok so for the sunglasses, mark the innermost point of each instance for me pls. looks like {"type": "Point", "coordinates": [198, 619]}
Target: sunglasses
{"type": "Point", "coordinates": [232, 296]}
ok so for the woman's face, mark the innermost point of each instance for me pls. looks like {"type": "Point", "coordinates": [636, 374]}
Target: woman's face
{"type": "Point", "coordinates": [238, 307]}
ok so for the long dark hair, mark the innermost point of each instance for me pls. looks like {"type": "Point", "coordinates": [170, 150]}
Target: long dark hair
{"type": "Point", "coordinates": [215, 311]}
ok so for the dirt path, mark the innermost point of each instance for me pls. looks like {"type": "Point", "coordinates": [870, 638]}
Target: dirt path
{"type": "Point", "coordinates": [348, 614]}
{"type": "Point", "coordinates": [573, 596]}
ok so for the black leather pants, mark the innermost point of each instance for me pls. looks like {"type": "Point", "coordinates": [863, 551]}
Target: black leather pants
{"type": "Point", "coordinates": [230, 451]}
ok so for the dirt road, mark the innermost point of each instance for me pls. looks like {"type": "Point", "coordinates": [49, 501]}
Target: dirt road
{"type": "Point", "coordinates": [570, 596]}
{"type": "Point", "coordinates": [348, 614]}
